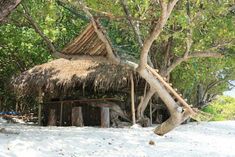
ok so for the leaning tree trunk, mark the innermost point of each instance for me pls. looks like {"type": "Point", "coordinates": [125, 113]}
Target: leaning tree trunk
{"type": "Point", "coordinates": [176, 112]}
{"type": "Point", "coordinates": [6, 6]}
{"type": "Point", "coordinates": [144, 103]}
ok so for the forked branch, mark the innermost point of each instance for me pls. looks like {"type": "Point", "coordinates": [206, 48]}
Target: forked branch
{"type": "Point", "coordinates": [166, 9]}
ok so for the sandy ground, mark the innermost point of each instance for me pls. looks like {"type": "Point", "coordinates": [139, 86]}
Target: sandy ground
{"type": "Point", "coordinates": [213, 139]}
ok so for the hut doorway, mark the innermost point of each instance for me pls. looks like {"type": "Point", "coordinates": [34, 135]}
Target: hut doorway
{"type": "Point", "coordinates": [91, 115]}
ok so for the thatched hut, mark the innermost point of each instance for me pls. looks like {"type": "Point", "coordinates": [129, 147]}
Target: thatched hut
{"type": "Point", "coordinates": [80, 90]}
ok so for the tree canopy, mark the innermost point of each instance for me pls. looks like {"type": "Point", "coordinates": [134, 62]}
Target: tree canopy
{"type": "Point", "coordinates": [195, 49]}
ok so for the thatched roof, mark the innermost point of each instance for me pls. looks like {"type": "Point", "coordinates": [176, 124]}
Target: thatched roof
{"type": "Point", "coordinates": [87, 43]}
{"type": "Point", "coordinates": [92, 73]}
{"type": "Point", "coordinates": [89, 69]}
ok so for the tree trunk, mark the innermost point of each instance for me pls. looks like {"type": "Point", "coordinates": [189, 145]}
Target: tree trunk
{"type": "Point", "coordinates": [177, 117]}
{"type": "Point", "coordinates": [200, 94]}
{"type": "Point", "coordinates": [6, 6]}
{"type": "Point", "coordinates": [144, 102]}
{"type": "Point", "coordinates": [175, 120]}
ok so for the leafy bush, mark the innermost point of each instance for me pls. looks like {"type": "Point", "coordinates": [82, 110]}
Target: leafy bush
{"type": "Point", "coordinates": [222, 108]}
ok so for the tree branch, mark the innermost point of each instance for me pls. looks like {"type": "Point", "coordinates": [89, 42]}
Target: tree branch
{"type": "Point", "coordinates": [72, 10]}
{"type": "Point", "coordinates": [205, 54]}
{"type": "Point", "coordinates": [111, 55]}
{"type": "Point", "coordinates": [231, 84]}
{"type": "Point", "coordinates": [189, 42]}
{"type": "Point", "coordinates": [108, 15]}
{"type": "Point", "coordinates": [132, 24]}
{"type": "Point", "coordinates": [134, 27]}
{"type": "Point", "coordinates": [38, 30]}
{"type": "Point", "coordinates": [198, 54]}
{"type": "Point", "coordinates": [166, 10]}
{"type": "Point", "coordinates": [6, 6]}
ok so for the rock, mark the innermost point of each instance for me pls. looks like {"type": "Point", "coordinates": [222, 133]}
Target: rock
{"type": "Point", "coordinates": [151, 142]}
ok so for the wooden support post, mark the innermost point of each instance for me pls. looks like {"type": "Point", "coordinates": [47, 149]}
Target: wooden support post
{"type": "Point", "coordinates": [77, 118]}
{"type": "Point", "coordinates": [40, 114]}
{"type": "Point", "coordinates": [151, 113]}
{"type": "Point", "coordinates": [61, 113]}
{"type": "Point", "coordinates": [105, 119]}
{"type": "Point", "coordinates": [132, 100]}
{"type": "Point", "coordinates": [52, 117]}
{"type": "Point", "coordinates": [40, 101]}
{"type": "Point", "coordinates": [1, 98]}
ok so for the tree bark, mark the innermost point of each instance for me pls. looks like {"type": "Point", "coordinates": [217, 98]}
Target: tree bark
{"type": "Point", "coordinates": [144, 103]}
{"type": "Point", "coordinates": [200, 54]}
{"type": "Point", "coordinates": [6, 7]}
{"type": "Point", "coordinates": [177, 117]}
{"type": "Point", "coordinates": [175, 120]}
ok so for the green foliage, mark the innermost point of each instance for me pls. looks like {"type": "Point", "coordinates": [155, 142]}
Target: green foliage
{"type": "Point", "coordinates": [222, 108]}
{"type": "Point", "coordinates": [212, 23]}
{"type": "Point", "coordinates": [22, 48]}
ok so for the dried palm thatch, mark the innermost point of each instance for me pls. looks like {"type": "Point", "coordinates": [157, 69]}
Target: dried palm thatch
{"type": "Point", "coordinates": [87, 43]}
{"type": "Point", "coordinates": [94, 73]}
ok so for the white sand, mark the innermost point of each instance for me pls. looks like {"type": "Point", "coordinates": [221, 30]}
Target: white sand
{"type": "Point", "coordinates": [213, 139]}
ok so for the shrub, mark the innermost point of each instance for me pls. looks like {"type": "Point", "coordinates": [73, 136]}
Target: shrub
{"type": "Point", "coordinates": [223, 108]}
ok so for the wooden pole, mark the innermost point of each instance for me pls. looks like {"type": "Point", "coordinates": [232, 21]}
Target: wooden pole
{"type": "Point", "coordinates": [77, 117]}
{"type": "Point", "coordinates": [1, 103]}
{"type": "Point", "coordinates": [105, 119]}
{"type": "Point", "coordinates": [40, 101]}
{"type": "Point", "coordinates": [61, 113]}
{"type": "Point", "coordinates": [132, 99]}
{"type": "Point", "coordinates": [151, 113]}
{"type": "Point", "coordinates": [40, 114]}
